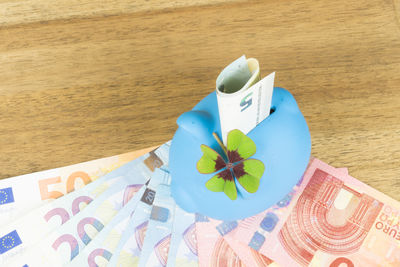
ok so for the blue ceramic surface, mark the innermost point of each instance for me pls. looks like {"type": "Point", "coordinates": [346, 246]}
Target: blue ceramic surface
{"type": "Point", "coordinates": [283, 144]}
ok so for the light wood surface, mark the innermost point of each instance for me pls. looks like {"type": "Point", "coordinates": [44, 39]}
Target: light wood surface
{"type": "Point", "coordinates": [80, 80]}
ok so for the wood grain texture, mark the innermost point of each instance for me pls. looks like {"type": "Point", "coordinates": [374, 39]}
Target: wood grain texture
{"type": "Point", "coordinates": [29, 11]}
{"type": "Point", "coordinates": [84, 81]}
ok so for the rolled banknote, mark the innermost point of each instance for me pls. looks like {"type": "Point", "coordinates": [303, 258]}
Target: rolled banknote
{"type": "Point", "coordinates": [23, 193]}
{"type": "Point", "coordinates": [129, 247]}
{"type": "Point", "coordinates": [105, 197]}
{"type": "Point", "coordinates": [333, 220]}
{"type": "Point", "coordinates": [157, 240]}
{"type": "Point", "coordinates": [183, 246]}
{"type": "Point", "coordinates": [243, 100]}
{"type": "Point", "coordinates": [212, 249]}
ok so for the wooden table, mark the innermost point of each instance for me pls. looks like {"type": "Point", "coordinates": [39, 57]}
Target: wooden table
{"type": "Point", "coordinates": [81, 80]}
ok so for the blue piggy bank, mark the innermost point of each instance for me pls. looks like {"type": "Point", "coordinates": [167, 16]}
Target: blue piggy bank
{"type": "Point", "coordinates": [283, 144]}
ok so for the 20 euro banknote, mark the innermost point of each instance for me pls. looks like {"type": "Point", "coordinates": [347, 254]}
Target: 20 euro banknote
{"type": "Point", "coordinates": [158, 237]}
{"type": "Point", "coordinates": [99, 251]}
{"type": "Point", "coordinates": [183, 246]}
{"type": "Point", "coordinates": [129, 248]}
{"type": "Point", "coordinates": [54, 218]}
{"type": "Point", "coordinates": [22, 193]}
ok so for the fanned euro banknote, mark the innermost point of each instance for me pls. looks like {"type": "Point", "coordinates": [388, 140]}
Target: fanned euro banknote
{"type": "Point", "coordinates": [58, 229]}
{"type": "Point", "coordinates": [158, 237]}
{"type": "Point", "coordinates": [129, 247]}
{"type": "Point", "coordinates": [212, 249]}
{"type": "Point", "coordinates": [224, 232]}
{"type": "Point", "coordinates": [101, 248]}
{"type": "Point", "coordinates": [118, 211]}
{"type": "Point", "coordinates": [183, 245]}
{"type": "Point", "coordinates": [100, 251]}
{"type": "Point", "coordinates": [330, 219]}
{"type": "Point", "coordinates": [25, 192]}
{"type": "Point", "coordinates": [127, 217]}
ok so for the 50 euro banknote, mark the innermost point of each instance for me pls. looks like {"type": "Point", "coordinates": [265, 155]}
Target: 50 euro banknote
{"type": "Point", "coordinates": [69, 240]}
{"type": "Point", "coordinates": [25, 192]}
{"type": "Point", "coordinates": [330, 219]}
{"type": "Point", "coordinates": [66, 215]}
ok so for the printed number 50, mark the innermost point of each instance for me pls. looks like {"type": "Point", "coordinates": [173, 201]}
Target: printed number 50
{"type": "Point", "coordinates": [46, 194]}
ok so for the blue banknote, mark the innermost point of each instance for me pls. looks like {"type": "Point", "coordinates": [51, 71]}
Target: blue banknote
{"type": "Point", "coordinates": [157, 240]}
{"type": "Point", "coordinates": [183, 246]}
{"type": "Point", "coordinates": [129, 248]}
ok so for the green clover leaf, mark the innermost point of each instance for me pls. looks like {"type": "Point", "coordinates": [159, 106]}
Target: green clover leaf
{"type": "Point", "coordinates": [247, 172]}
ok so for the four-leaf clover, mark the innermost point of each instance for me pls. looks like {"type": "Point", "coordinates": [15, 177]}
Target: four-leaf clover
{"type": "Point", "coordinates": [247, 171]}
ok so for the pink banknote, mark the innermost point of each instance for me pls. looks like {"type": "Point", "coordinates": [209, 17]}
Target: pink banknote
{"type": "Point", "coordinates": [246, 254]}
{"type": "Point", "coordinates": [329, 219]}
{"type": "Point", "coordinates": [213, 250]}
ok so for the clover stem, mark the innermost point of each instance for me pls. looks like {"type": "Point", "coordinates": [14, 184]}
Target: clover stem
{"type": "Point", "coordinates": [220, 143]}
